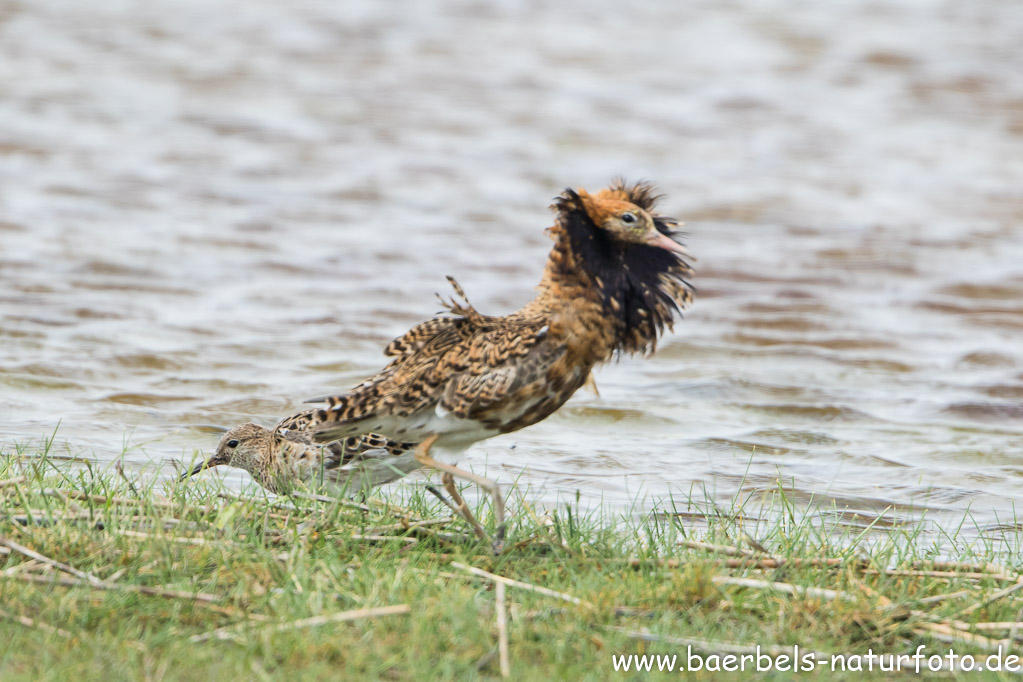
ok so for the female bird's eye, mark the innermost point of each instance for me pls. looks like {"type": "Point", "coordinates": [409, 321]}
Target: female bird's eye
{"type": "Point", "coordinates": [628, 218]}
{"type": "Point", "coordinates": [232, 443]}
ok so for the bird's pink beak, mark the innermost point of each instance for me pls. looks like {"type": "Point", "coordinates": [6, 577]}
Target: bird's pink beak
{"type": "Point", "coordinates": [667, 243]}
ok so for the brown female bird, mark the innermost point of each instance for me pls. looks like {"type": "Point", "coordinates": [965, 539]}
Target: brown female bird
{"type": "Point", "coordinates": [282, 463]}
{"type": "Point", "coordinates": [613, 281]}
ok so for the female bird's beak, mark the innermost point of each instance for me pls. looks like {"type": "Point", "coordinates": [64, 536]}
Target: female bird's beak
{"type": "Point", "coordinates": [665, 242]}
{"type": "Point", "coordinates": [208, 463]}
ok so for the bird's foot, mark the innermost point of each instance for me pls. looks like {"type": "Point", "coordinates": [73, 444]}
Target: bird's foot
{"type": "Point", "coordinates": [498, 544]}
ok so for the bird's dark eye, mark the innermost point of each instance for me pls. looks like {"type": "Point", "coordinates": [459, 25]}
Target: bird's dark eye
{"type": "Point", "coordinates": [628, 218]}
{"type": "Point", "coordinates": [232, 443]}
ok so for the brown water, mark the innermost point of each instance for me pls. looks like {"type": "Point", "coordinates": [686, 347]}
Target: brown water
{"type": "Point", "coordinates": [212, 211]}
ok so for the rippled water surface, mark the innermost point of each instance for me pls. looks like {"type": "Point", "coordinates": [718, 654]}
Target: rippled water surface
{"type": "Point", "coordinates": [210, 212]}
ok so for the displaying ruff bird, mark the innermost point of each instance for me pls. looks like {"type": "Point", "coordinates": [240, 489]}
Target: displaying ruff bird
{"type": "Point", "coordinates": [614, 280]}
{"type": "Point", "coordinates": [280, 463]}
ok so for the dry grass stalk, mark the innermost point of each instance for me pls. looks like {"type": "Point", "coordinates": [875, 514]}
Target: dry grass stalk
{"type": "Point", "coordinates": [660, 563]}
{"type": "Point", "coordinates": [945, 597]}
{"type": "Point", "coordinates": [525, 586]}
{"type": "Point", "coordinates": [502, 630]}
{"type": "Point", "coordinates": [39, 625]}
{"type": "Point", "coordinates": [934, 569]}
{"type": "Point", "coordinates": [717, 549]}
{"type": "Point", "coordinates": [171, 538]}
{"type": "Point", "coordinates": [818, 592]}
{"type": "Point", "coordinates": [950, 575]}
{"type": "Point", "coordinates": [961, 566]}
{"type": "Point", "coordinates": [108, 499]}
{"type": "Point", "coordinates": [382, 506]}
{"type": "Point", "coordinates": [230, 632]}
{"type": "Point", "coordinates": [380, 538]}
{"type": "Point", "coordinates": [409, 526]}
{"type": "Point", "coordinates": [995, 596]}
{"type": "Point", "coordinates": [32, 554]}
{"type": "Point", "coordinates": [764, 560]}
{"type": "Point", "coordinates": [947, 633]}
{"type": "Point", "coordinates": [1005, 625]}
{"type": "Point", "coordinates": [141, 589]}
{"type": "Point", "coordinates": [30, 566]}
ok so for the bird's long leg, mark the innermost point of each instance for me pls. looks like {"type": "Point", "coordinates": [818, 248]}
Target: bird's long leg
{"type": "Point", "coordinates": [440, 496]}
{"type": "Point", "coordinates": [463, 508]}
{"type": "Point", "coordinates": [422, 454]}
{"type": "Point", "coordinates": [459, 506]}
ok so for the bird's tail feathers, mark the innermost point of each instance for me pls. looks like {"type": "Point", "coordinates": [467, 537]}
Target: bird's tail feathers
{"type": "Point", "coordinates": [461, 308]}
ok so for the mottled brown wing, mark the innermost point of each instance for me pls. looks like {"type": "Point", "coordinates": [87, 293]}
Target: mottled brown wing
{"type": "Point", "coordinates": [522, 372]}
{"type": "Point", "coordinates": [420, 378]}
{"type": "Point", "coordinates": [414, 339]}
{"type": "Point", "coordinates": [480, 358]}
{"type": "Point", "coordinates": [480, 362]}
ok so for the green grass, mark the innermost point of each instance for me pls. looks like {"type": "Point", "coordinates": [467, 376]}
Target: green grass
{"type": "Point", "coordinates": [646, 584]}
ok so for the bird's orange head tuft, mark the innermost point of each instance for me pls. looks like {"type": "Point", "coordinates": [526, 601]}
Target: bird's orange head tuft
{"type": "Point", "coordinates": [624, 214]}
{"type": "Point", "coordinates": [623, 219]}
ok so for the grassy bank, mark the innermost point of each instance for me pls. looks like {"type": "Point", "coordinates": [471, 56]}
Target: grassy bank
{"type": "Point", "coordinates": [106, 578]}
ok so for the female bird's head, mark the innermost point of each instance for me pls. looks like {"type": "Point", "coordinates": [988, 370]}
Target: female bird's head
{"type": "Point", "coordinates": [240, 447]}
